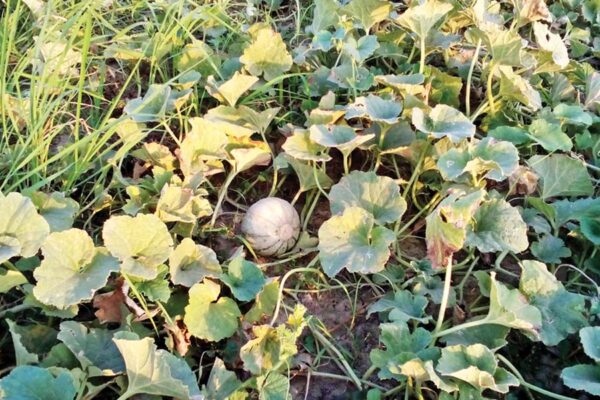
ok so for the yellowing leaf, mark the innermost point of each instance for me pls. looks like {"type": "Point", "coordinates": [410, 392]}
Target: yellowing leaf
{"type": "Point", "coordinates": [267, 55]}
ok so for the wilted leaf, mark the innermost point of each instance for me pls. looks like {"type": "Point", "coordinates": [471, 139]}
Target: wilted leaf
{"type": "Point", "coordinates": [447, 225]}
{"type": "Point", "coordinates": [552, 43]}
{"type": "Point", "coordinates": [273, 347]}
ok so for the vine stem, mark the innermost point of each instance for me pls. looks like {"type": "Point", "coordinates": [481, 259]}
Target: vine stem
{"type": "Point", "coordinates": [470, 78]}
{"type": "Point", "coordinates": [15, 309]}
{"type": "Point", "coordinates": [528, 385]}
{"type": "Point", "coordinates": [466, 325]}
{"type": "Point", "coordinates": [422, 56]}
{"type": "Point", "coordinates": [445, 296]}
{"type": "Point", "coordinates": [222, 194]}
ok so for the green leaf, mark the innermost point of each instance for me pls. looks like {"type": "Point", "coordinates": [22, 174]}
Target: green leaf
{"type": "Point", "coordinates": [443, 121]}
{"type": "Point", "coordinates": [157, 372]}
{"type": "Point", "coordinates": [592, 91]}
{"type": "Point", "coordinates": [422, 18]}
{"type": "Point", "coordinates": [446, 228]}
{"type": "Point", "coordinates": [550, 136]}
{"type": "Point", "coordinates": [73, 269]}
{"type": "Point", "coordinates": [156, 289]}
{"type": "Point", "coordinates": [510, 308]}
{"type": "Point", "coordinates": [375, 109]}
{"type": "Point", "coordinates": [325, 15]}
{"type": "Point", "coordinates": [445, 88]}
{"type": "Point", "coordinates": [590, 339]}
{"type": "Point", "coordinates": [341, 137]}
{"type": "Point", "coordinates": [505, 46]}
{"type": "Point", "coordinates": [490, 335]}
{"type": "Point", "coordinates": [59, 211]}
{"type": "Point", "coordinates": [368, 12]}
{"type": "Point", "coordinates": [511, 134]}
{"type": "Point", "coordinates": [141, 243]}
{"type": "Point", "coordinates": [267, 55]}
{"type": "Point", "coordinates": [476, 365]}
{"type": "Point", "coordinates": [573, 115]}
{"type": "Point", "coordinates": [154, 106]}
{"type": "Point", "coordinates": [562, 311]}
{"type": "Point", "coordinates": [197, 56]}
{"type": "Point", "coordinates": [208, 318]}
{"type": "Point", "coordinates": [35, 383]}
{"type": "Point", "coordinates": [190, 263]}
{"type": "Point", "coordinates": [401, 346]}
{"type": "Point", "coordinates": [22, 354]}
{"type": "Point", "coordinates": [486, 159]}
{"type": "Point", "coordinates": [22, 229]}
{"type": "Point", "coordinates": [352, 241]}
{"type": "Point", "coordinates": [230, 91]}
{"type": "Point", "coordinates": [300, 146]}
{"type": "Point", "coordinates": [362, 48]}
{"type": "Point", "coordinates": [94, 348]}
{"type": "Point", "coordinates": [304, 172]}
{"type": "Point", "coordinates": [265, 302]}
{"type": "Point", "coordinates": [403, 307]}
{"type": "Point", "coordinates": [221, 382]}
{"type": "Point", "coordinates": [378, 195]}
{"type": "Point", "coordinates": [550, 249]}
{"type": "Point", "coordinates": [561, 175]}
{"type": "Point", "coordinates": [273, 386]}
{"type": "Point", "coordinates": [498, 226]}
{"type": "Point", "coordinates": [273, 347]}
{"type": "Point", "coordinates": [583, 377]}
{"type": "Point", "coordinates": [244, 278]}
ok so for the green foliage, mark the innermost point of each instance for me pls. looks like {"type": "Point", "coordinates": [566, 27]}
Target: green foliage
{"type": "Point", "coordinates": [209, 316]}
{"type": "Point", "coordinates": [141, 243]}
{"type": "Point", "coordinates": [379, 195]}
{"type": "Point", "coordinates": [354, 242]}
{"type": "Point", "coordinates": [73, 269]}
{"type": "Point", "coordinates": [22, 229]}
{"type": "Point", "coordinates": [135, 136]}
{"type": "Point", "coordinates": [153, 371]}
